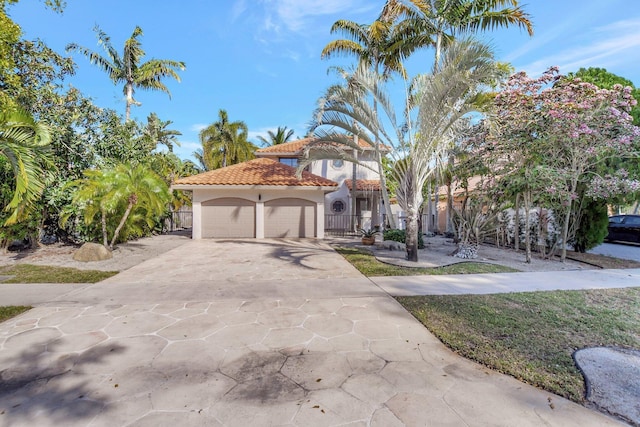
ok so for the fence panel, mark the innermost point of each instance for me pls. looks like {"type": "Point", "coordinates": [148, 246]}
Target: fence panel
{"type": "Point", "coordinates": [179, 220]}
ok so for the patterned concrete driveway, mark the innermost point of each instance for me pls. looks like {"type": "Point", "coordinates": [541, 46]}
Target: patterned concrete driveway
{"type": "Point", "coordinates": [249, 333]}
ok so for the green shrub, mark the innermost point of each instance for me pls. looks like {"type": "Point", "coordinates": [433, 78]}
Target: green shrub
{"type": "Point", "coordinates": [593, 226]}
{"type": "Point", "coordinates": [401, 236]}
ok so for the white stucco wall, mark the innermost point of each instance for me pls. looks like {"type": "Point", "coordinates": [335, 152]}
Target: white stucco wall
{"type": "Point", "coordinates": [326, 169]}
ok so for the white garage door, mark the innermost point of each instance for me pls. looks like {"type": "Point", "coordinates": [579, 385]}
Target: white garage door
{"type": "Point", "coordinates": [228, 217]}
{"type": "Point", "coordinates": [289, 218]}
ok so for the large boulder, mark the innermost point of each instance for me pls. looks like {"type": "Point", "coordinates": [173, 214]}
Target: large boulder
{"type": "Point", "coordinates": [92, 252]}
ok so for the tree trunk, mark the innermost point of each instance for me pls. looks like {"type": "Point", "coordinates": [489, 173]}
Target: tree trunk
{"type": "Point", "coordinates": [438, 47]}
{"type": "Point", "coordinates": [516, 224]}
{"type": "Point", "coordinates": [450, 162]}
{"type": "Point", "coordinates": [436, 197]}
{"type": "Point", "coordinates": [565, 232]}
{"type": "Point", "coordinates": [354, 182]}
{"type": "Point", "coordinates": [129, 101]}
{"type": "Point", "coordinates": [385, 194]}
{"type": "Point", "coordinates": [383, 180]}
{"type": "Point", "coordinates": [527, 226]}
{"type": "Point", "coordinates": [429, 207]}
{"type": "Point", "coordinates": [411, 239]}
{"type": "Point", "coordinates": [103, 220]}
{"type": "Point", "coordinates": [449, 209]}
{"type": "Point", "coordinates": [133, 199]}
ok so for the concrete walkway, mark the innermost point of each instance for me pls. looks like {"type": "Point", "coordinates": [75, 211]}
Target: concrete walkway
{"type": "Point", "coordinates": [249, 333]}
{"type": "Point", "coordinates": [495, 283]}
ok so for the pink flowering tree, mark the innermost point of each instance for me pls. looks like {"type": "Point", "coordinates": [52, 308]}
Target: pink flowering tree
{"type": "Point", "coordinates": [514, 145]}
{"type": "Point", "coordinates": [565, 130]}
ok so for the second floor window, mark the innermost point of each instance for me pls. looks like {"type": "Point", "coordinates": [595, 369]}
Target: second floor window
{"type": "Point", "coordinates": [289, 161]}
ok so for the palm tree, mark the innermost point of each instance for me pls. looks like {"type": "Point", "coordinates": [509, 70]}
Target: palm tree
{"type": "Point", "coordinates": [157, 132]}
{"type": "Point", "coordinates": [128, 68]}
{"type": "Point", "coordinates": [24, 143]}
{"type": "Point", "coordinates": [225, 143]}
{"type": "Point", "coordinates": [436, 116]}
{"type": "Point", "coordinates": [446, 19]}
{"type": "Point", "coordinates": [278, 137]}
{"type": "Point", "coordinates": [380, 46]}
{"type": "Point", "coordinates": [133, 193]}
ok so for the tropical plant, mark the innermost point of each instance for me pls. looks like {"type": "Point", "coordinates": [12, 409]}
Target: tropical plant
{"type": "Point", "coordinates": [368, 232]}
{"type": "Point", "coordinates": [435, 113]}
{"type": "Point", "coordinates": [380, 46]}
{"type": "Point", "coordinates": [447, 19]}
{"type": "Point", "coordinates": [123, 195]}
{"type": "Point", "coordinates": [157, 133]}
{"type": "Point", "coordinates": [278, 137]}
{"type": "Point", "coordinates": [593, 226]}
{"type": "Point", "coordinates": [474, 222]}
{"type": "Point", "coordinates": [225, 143]}
{"type": "Point", "coordinates": [437, 23]}
{"type": "Point", "coordinates": [128, 68]}
{"type": "Point", "coordinates": [24, 143]}
{"type": "Point", "coordinates": [10, 33]}
{"type": "Point", "coordinates": [564, 130]}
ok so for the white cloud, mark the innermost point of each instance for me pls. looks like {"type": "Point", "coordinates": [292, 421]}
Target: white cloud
{"type": "Point", "coordinates": [186, 149]}
{"type": "Point", "coordinates": [197, 127]}
{"type": "Point", "coordinates": [190, 145]}
{"type": "Point", "coordinates": [297, 16]}
{"type": "Point", "coordinates": [238, 8]}
{"type": "Point", "coordinates": [294, 56]}
{"type": "Point", "coordinates": [615, 43]}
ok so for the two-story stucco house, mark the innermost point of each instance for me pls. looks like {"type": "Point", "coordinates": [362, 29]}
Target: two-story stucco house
{"type": "Point", "coordinates": [264, 197]}
{"type": "Point", "coordinates": [338, 204]}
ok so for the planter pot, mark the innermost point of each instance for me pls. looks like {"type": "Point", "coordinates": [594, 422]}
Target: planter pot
{"type": "Point", "coordinates": [368, 241]}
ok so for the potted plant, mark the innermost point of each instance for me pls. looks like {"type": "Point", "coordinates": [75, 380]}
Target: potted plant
{"type": "Point", "coordinates": [368, 236]}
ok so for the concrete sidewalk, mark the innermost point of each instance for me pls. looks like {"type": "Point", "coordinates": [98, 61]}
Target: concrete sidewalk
{"type": "Point", "coordinates": [495, 283]}
{"type": "Point", "coordinates": [249, 333]}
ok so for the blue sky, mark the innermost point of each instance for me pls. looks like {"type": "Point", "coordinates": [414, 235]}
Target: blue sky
{"type": "Point", "coordinates": [260, 59]}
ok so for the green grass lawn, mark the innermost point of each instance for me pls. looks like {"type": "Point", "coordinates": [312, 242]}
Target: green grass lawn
{"type": "Point", "coordinates": [368, 265]}
{"type": "Point", "coordinates": [28, 273]}
{"type": "Point", "coordinates": [532, 336]}
{"type": "Point", "coordinates": [8, 312]}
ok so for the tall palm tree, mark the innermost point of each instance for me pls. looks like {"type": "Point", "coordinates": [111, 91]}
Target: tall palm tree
{"type": "Point", "coordinates": [225, 143]}
{"type": "Point", "coordinates": [444, 20]}
{"type": "Point", "coordinates": [447, 19]}
{"type": "Point", "coordinates": [381, 46]}
{"type": "Point", "coordinates": [436, 116]}
{"type": "Point", "coordinates": [128, 68]}
{"type": "Point", "coordinates": [123, 194]}
{"type": "Point", "coordinates": [278, 137]}
{"type": "Point", "coordinates": [24, 143]}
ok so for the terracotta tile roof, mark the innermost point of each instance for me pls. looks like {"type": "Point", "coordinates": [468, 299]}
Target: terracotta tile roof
{"type": "Point", "coordinates": [364, 184]}
{"type": "Point", "coordinates": [257, 172]}
{"type": "Point", "coordinates": [293, 147]}
{"type": "Point", "coordinates": [296, 147]}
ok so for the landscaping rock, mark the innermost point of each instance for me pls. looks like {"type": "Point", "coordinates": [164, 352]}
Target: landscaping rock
{"type": "Point", "coordinates": [391, 245]}
{"type": "Point", "coordinates": [467, 252]}
{"type": "Point", "coordinates": [19, 245]}
{"type": "Point", "coordinates": [90, 252]}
